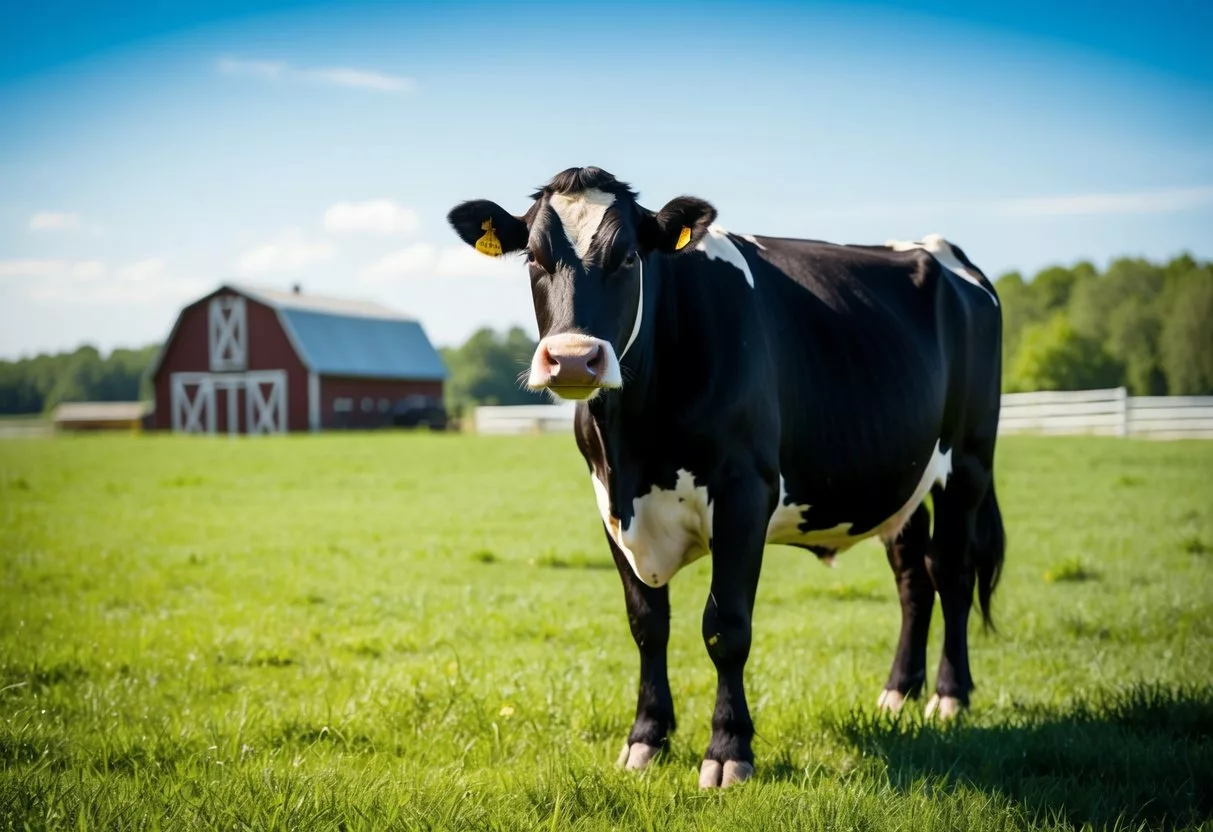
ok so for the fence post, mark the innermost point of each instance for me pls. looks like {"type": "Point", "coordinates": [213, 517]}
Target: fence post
{"type": "Point", "coordinates": [1122, 395]}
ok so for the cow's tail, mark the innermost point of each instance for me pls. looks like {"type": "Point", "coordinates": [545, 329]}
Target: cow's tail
{"type": "Point", "coordinates": [988, 551]}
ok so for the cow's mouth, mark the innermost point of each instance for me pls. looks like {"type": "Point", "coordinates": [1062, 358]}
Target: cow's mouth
{"type": "Point", "coordinates": [575, 392]}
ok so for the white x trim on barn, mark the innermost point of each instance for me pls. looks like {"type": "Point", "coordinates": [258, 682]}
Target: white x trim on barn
{"type": "Point", "coordinates": [193, 412]}
{"type": "Point", "coordinates": [228, 333]}
{"type": "Point", "coordinates": [193, 401]}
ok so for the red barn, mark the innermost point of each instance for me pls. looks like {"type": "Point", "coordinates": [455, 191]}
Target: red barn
{"type": "Point", "coordinates": [253, 360]}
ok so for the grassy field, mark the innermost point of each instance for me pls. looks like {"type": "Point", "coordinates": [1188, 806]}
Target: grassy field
{"type": "Point", "coordinates": [426, 632]}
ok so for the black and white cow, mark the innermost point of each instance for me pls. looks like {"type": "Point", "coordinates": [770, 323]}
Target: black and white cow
{"type": "Point", "coordinates": [738, 391]}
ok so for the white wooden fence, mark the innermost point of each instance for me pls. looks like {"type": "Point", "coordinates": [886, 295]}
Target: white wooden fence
{"type": "Point", "coordinates": [1107, 413]}
{"type": "Point", "coordinates": [530, 418]}
{"type": "Point", "coordinates": [1093, 412]}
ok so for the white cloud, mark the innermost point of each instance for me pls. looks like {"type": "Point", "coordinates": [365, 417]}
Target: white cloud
{"type": "Point", "coordinates": [1140, 202]}
{"type": "Point", "coordinates": [376, 216]}
{"type": "Point", "coordinates": [143, 271]}
{"type": "Point", "coordinates": [31, 268]}
{"type": "Point", "coordinates": [338, 76]}
{"type": "Point", "coordinates": [342, 76]}
{"type": "Point", "coordinates": [265, 70]}
{"type": "Point", "coordinates": [88, 270]}
{"type": "Point", "coordinates": [92, 281]}
{"type": "Point", "coordinates": [289, 253]}
{"type": "Point", "coordinates": [425, 260]}
{"type": "Point", "coordinates": [54, 221]}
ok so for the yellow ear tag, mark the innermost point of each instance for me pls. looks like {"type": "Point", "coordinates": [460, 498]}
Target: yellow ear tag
{"type": "Point", "coordinates": [488, 244]}
{"type": "Point", "coordinates": [683, 238]}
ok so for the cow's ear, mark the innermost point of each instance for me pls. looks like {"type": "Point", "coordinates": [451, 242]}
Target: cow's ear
{"type": "Point", "coordinates": [678, 226]}
{"type": "Point", "coordinates": [488, 228]}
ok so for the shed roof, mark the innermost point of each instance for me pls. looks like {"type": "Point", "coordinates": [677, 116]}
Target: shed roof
{"type": "Point", "coordinates": [99, 411]}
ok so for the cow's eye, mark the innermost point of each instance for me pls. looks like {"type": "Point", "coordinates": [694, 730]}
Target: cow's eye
{"type": "Point", "coordinates": [530, 256]}
{"type": "Point", "coordinates": [629, 261]}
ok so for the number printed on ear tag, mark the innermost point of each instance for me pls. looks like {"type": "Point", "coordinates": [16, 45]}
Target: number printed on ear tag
{"type": "Point", "coordinates": [489, 244]}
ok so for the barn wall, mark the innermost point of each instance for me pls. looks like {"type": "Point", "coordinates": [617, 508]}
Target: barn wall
{"type": "Point", "coordinates": [269, 348]}
{"type": "Point", "coordinates": [333, 388]}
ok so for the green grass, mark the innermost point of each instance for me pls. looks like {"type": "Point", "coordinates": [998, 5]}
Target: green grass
{"type": "Point", "coordinates": [425, 632]}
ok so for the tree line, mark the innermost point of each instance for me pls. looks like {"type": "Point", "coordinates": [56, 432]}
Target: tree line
{"type": "Point", "coordinates": [37, 385]}
{"type": "Point", "coordinates": [1146, 326]}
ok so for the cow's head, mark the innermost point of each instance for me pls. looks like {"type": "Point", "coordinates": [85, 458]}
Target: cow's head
{"type": "Point", "coordinates": [588, 244]}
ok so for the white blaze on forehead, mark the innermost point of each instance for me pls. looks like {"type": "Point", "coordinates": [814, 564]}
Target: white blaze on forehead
{"type": "Point", "coordinates": [717, 245]}
{"type": "Point", "coordinates": [941, 250]}
{"type": "Point", "coordinates": [581, 214]}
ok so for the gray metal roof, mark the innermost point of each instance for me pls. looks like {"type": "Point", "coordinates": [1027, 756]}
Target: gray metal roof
{"type": "Point", "coordinates": [344, 337]}
{"type": "Point", "coordinates": [340, 336]}
{"type": "Point", "coordinates": [371, 347]}
{"type": "Point", "coordinates": [279, 299]}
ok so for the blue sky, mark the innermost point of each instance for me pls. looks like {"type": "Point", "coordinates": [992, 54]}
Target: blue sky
{"type": "Point", "coordinates": [150, 151]}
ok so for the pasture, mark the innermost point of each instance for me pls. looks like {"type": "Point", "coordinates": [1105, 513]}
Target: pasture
{"type": "Point", "coordinates": [427, 632]}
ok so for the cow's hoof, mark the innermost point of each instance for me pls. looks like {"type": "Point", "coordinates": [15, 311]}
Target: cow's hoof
{"type": "Point", "coordinates": [713, 775]}
{"type": "Point", "coordinates": [943, 707]}
{"type": "Point", "coordinates": [637, 755]}
{"type": "Point", "coordinates": [890, 701]}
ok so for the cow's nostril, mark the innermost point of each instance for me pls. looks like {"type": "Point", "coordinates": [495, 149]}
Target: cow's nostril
{"type": "Point", "coordinates": [591, 363]}
{"type": "Point", "coordinates": [549, 361]}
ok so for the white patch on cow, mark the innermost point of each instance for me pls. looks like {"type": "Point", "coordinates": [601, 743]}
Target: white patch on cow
{"type": "Point", "coordinates": [639, 315]}
{"type": "Point", "coordinates": [749, 238]}
{"type": "Point", "coordinates": [668, 530]}
{"type": "Point", "coordinates": [941, 250]}
{"type": "Point", "coordinates": [671, 528]}
{"type": "Point", "coordinates": [784, 525]}
{"type": "Point", "coordinates": [717, 245]}
{"type": "Point", "coordinates": [581, 214]}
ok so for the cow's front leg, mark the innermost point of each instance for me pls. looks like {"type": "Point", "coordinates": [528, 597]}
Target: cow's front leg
{"type": "Point", "coordinates": [649, 617]}
{"type": "Point", "coordinates": [739, 533]}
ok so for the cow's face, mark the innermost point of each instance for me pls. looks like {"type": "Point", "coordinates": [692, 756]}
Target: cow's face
{"type": "Point", "coordinates": [587, 244]}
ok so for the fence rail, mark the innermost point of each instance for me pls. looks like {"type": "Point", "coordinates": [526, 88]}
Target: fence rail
{"type": "Point", "coordinates": [529, 418]}
{"type": "Point", "coordinates": [1109, 412]}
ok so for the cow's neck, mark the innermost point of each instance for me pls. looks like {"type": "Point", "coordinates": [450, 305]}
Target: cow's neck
{"type": "Point", "coordinates": [626, 418]}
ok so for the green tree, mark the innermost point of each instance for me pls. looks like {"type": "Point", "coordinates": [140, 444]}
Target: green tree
{"type": "Point", "coordinates": [1187, 335]}
{"type": "Point", "coordinates": [489, 369]}
{"type": "Point", "coordinates": [1054, 356]}
{"type": "Point", "coordinates": [1019, 309]}
{"type": "Point", "coordinates": [36, 385]}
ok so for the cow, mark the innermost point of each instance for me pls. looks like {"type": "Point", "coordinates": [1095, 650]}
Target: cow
{"type": "Point", "coordinates": [738, 391]}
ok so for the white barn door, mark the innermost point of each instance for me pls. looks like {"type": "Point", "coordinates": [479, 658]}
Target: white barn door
{"type": "Point", "coordinates": [265, 402]}
{"type": "Point", "coordinates": [193, 403]}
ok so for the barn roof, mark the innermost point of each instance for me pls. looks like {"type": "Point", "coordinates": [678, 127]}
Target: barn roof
{"type": "Point", "coordinates": [347, 337]}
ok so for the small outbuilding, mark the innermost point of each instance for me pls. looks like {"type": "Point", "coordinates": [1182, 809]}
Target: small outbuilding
{"type": "Point", "coordinates": [249, 360]}
{"type": "Point", "coordinates": [81, 416]}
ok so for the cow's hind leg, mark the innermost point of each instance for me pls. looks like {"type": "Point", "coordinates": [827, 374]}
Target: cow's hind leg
{"type": "Point", "coordinates": [907, 555]}
{"type": "Point", "coordinates": [649, 618]}
{"type": "Point", "coordinates": [966, 553]}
